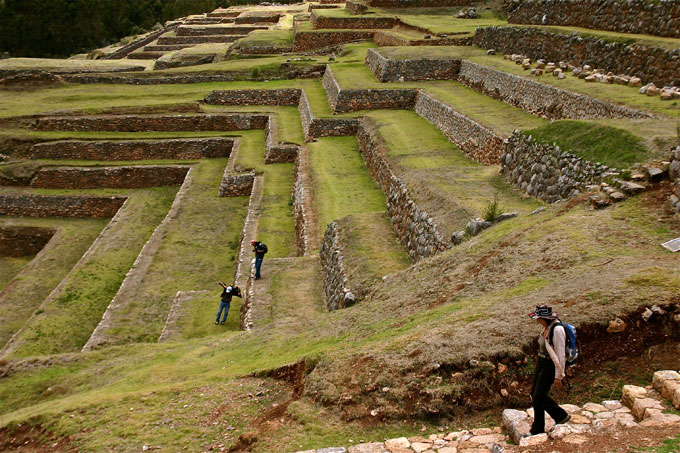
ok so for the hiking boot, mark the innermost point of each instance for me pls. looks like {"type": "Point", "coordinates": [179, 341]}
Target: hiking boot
{"type": "Point", "coordinates": [217, 322]}
{"type": "Point", "coordinates": [565, 420]}
{"type": "Point", "coordinates": [222, 323]}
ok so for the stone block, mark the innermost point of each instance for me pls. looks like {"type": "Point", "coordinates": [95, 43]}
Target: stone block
{"type": "Point", "coordinates": [612, 405]}
{"type": "Point", "coordinates": [661, 377]}
{"type": "Point", "coordinates": [640, 405]}
{"type": "Point", "coordinates": [630, 393]}
{"type": "Point", "coordinates": [559, 431]}
{"type": "Point", "coordinates": [516, 423]}
{"type": "Point", "coordinates": [420, 447]}
{"type": "Point", "coordinates": [530, 441]}
{"type": "Point", "coordinates": [371, 447]}
{"type": "Point", "coordinates": [398, 443]}
{"type": "Point", "coordinates": [594, 407]}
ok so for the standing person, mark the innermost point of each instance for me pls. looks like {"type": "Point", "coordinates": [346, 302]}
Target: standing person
{"type": "Point", "coordinates": [260, 249]}
{"type": "Point", "coordinates": [225, 300]}
{"type": "Point", "coordinates": [549, 369]}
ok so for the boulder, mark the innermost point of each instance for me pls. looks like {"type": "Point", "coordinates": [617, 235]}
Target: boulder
{"type": "Point", "coordinates": [631, 188]}
{"type": "Point", "coordinates": [612, 405]}
{"type": "Point", "coordinates": [640, 406]}
{"type": "Point", "coordinates": [652, 91]}
{"type": "Point", "coordinates": [594, 408]}
{"type": "Point", "coordinates": [666, 95]}
{"type": "Point", "coordinates": [630, 393]}
{"type": "Point", "coordinates": [372, 447]}
{"type": "Point", "coordinates": [457, 237]}
{"type": "Point", "coordinates": [617, 196]}
{"type": "Point", "coordinates": [516, 423]}
{"type": "Point", "coordinates": [476, 226]}
{"type": "Point", "coordinates": [530, 441]}
{"type": "Point", "coordinates": [398, 443]}
{"type": "Point", "coordinates": [655, 174]}
{"type": "Point", "coordinates": [635, 82]}
{"type": "Point", "coordinates": [505, 216]}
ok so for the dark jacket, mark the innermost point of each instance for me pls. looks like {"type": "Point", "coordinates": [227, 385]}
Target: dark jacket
{"type": "Point", "coordinates": [260, 249]}
{"type": "Point", "coordinates": [229, 292]}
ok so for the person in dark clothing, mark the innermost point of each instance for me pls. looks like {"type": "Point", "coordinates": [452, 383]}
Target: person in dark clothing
{"type": "Point", "coordinates": [260, 249]}
{"type": "Point", "coordinates": [550, 369]}
{"type": "Point", "coordinates": [225, 300]}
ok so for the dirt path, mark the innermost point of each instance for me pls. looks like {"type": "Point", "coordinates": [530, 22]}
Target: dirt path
{"type": "Point", "coordinates": [249, 232]}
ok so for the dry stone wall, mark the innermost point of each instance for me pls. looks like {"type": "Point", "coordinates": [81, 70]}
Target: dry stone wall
{"type": "Point", "coordinates": [236, 185]}
{"type": "Point", "coordinates": [538, 98]}
{"type": "Point", "coordinates": [136, 44]}
{"type": "Point", "coordinates": [277, 152]}
{"type": "Point", "coordinates": [16, 241]}
{"type": "Point", "coordinates": [193, 40]}
{"type": "Point", "coordinates": [338, 295]}
{"type": "Point", "coordinates": [129, 177]}
{"type": "Point", "coordinates": [141, 123]}
{"type": "Point", "coordinates": [479, 142]}
{"type": "Point", "coordinates": [20, 205]}
{"type": "Point", "coordinates": [216, 30]}
{"type": "Point", "coordinates": [388, 39]}
{"type": "Point", "coordinates": [324, 127]}
{"type": "Point", "coordinates": [285, 96]}
{"type": "Point", "coordinates": [191, 148]}
{"type": "Point", "coordinates": [651, 64]}
{"type": "Point", "coordinates": [301, 200]}
{"type": "Point", "coordinates": [355, 7]}
{"type": "Point", "coordinates": [625, 16]}
{"type": "Point", "coordinates": [342, 101]}
{"type": "Point", "coordinates": [414, 228]}
{"type": "Point", "coordinates": [419, 3]}
{"type": "Point", "coordinates": [393, 70]}
{"type": "Point", "coordinates": [309, 40]}
{"type": "Point", "coordinates": [362, 22]}
{"type": "Point", "coordinates": [545, 171]}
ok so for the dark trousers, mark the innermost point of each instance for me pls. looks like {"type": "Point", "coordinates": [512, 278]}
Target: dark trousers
{"type": "Point", "coordinates": [542, 403]}
{"type": "Point", "coordinates": [258, 264]}
{"type": "Point", "coordinates": [224, 306]}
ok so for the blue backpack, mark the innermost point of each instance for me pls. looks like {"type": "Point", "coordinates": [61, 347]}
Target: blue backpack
{"type": "Point", "coordinates": [571, 347]}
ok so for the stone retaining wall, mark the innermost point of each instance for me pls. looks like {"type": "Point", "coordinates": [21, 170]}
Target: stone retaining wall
{"type": "Point", "coordinates": [342, 101]}
{"type": "Point", "coordinates": [545, 171]}
{"type": "Point", "coordinates": [419, 3]}
{"type": "Point", "coordinates": [309, 40]}
{"type": "Point", "coordinates": [624, 16]}
{"type": "Point", "coordinates": [271, 18]}
{"type": "Point", "coordinates": [414, 228]}
{"type": "Point", "coordinates": [479, 142]}
{"type": "Point", "coordinates": [388, 39]}
{"type": "Point", "coordinates": [324, 127]}
{"type": "Point", "coordinates": [338, 295]}
{"type": "Point", "coordinates": [284, 96]}
{"type": "Point", "coordinates": [136, 44]}
{"type": "Point", "coordinates": [355, 7]}
{"type": "Point", "coordinates": [20, 205]}
{"type": "Point", "coordinates": [143, 55]}
{"type": "Point", "coordinates": [651, 64]}
{"type": "Point", "coordinates": [129, 177]}
{"type": "Point", "coordinates": [166, 48]}
{"type": "Point", "coordinates": [301, 201]}
{"type": "Point", "coordinates": [264, 50]}
{"type": "Point", "coordinates": [141, 123]}
{"type": "Point", "coordinates": [16, 241]}
{"type": "Point", "coordinates": [236, 185]}
{"type": "Point", "coordinates": [193, 40]}
{"type": "Point", "coordinates": [393, 70]}
{"type": "Point", "coordinates": [361, 23]}
{"type": "Point", "coordinates": [538, 98]}
{"type": "Point", "coordinates": [216, 30]}
{"type": "Point", "coordinates": [189, 148]}
{"type": "Point", "coordinates": [277, 152]}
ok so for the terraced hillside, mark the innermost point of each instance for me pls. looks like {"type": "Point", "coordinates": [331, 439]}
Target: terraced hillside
{"type": "Point", "coordinates": [423, 174]}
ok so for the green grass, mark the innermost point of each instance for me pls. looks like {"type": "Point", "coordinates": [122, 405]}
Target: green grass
{"type": "Point", "coordinates": [341, 183]}
{"type": "Point", "coordinates": [422, 52]}
{"type": "Point", "coordinates": [671, 445]}
{"type": "Point", "coordinates": [11, 266]}
{"type": "Point", "coordinates": [198, 250]}
{"type": "Point", "coordinates": [612, 36]}
{"type": "Point", "coordinates": [288, 118]}
{"type": "Point", "coordinates": [443, 20]}
{"type": "Point", "coordinates": [72, 314]}
{"type": "Point", "coordinates": [597, 143]}
{"type": "Point", "coordinates": [49, 64]}
{"type": "Point", "coordinates": [269, 38]}
{"type": "Point", "coordinates": [34, 282]}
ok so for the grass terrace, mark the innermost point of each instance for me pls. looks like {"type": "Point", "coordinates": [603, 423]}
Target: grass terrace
{"type": "Point", "coordinates": [267, 38]}
{"type": "Point", "coordinates": [612, 36]}
{"type": "Point", "coordinates": [443, 20]}
{"type": "Point", "coordinates": [58, 65]}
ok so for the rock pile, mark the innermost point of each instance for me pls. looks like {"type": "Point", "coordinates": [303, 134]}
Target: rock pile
{"type": "Point", "coordinates": [467, 13]}
{"type": "Point", "coordinates": [674, 175]}
{"type": "Point", "coordinates": [476, 226]}
{"type": "Point", "coordinates": [638, 407]}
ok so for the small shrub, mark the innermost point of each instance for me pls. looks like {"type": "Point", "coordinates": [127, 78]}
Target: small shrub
{"type": "Point", "coordinates": [492, 210]}
{"type": "Point", "coordinates": [255, 72]}
{"type": "Point", "coordinates": [39, 311]}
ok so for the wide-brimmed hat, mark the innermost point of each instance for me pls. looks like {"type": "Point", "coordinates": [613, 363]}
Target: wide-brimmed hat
{"type": "Point", "coordinates": [543, 311]}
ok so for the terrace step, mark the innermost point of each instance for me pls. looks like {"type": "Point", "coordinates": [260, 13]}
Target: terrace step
{"type": "Point", "coordinates": [216, 30]}
{"type": "Point", "coordinates": [143, 55]}
{"type": "Point", "coordinates": [166, 48]}
{"type": "Point", "coordinates": [193, 40]}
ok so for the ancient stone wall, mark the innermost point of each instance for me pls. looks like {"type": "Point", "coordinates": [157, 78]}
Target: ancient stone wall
{"type": "Point", "coordinates": [361, 23]}
{"type": "Point", "coordinates": [324, 127]}
{"type": "Point", "coordinates": [538, 98]}
{"type": "Point", "coordinates": [236, 185]}
{"type": "Point", "coordinates": [414, 228]}
{"type": "Point", "coordinates": [264, 50]}
{"type": "Point", "coordinates": [276, 152]}
{"type": "Point", "coordinates": [136, 44]}
{"type": "Point", "coordinates": [355, 7]}
{"type": "Point", "coordinates": [419, 3]}
{"type": "Point", "coordinates": [193, 40]}
{"type": "Point", "coordinates": [342, 101]}
{"type": "Point", "coordinates": [18, 241]}
{"type": "Point", "coordinates": [479, 142]}
{"type": "Point", "coordinates": [309, 40]}
{"type": "Point", "coordinates": [388, 39]}
{"type": "Point", "coordinates": [301, 199]}
{"type": "Point", "coordinates": [338, 295]}
{"type": "Point", "coordinates": [284, 96]}
{"type": "Point", "coordinates": [393, 70]}
{"type": "Point", "coordinates": [545, 171]}
{"type": "Point", "coordinates": [625, 16]}
{"type": "Point", "coordinates": [190, 148]}
{"type": "Point", "coordinates": [651, 64]}
{"type": "Point", "coordinates": [141, 123]}
{"type": "Point", "coordinates": [216, 30]}
{"type": "Point", "coordinates": [20, 205]}
{"type": "Point", "coordinates": [128, 177]}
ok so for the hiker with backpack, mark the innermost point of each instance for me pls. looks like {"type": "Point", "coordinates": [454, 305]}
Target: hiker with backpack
{"type": "Point", "coordinates": [260, 249]}
{"type": "Point", "coordinates": [225, 300]}
{"type": "Point", "coordinates": [556, 350]}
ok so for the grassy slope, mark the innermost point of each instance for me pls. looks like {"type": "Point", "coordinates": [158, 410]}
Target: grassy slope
{"type": "Point", "coordinates": [36, 279]}
{"type": "Point", "coordinates": [276, 226]}
{"type": "Point", "coordinates": [10, 266]}
{"type": "Point", "coordinates": [442, 179]}
{"type": "Point", "coordinates": [198, 250]}
{"type": "Point", "coordinates": [342, 184]}
{"type": "Point", "coordinates": [70, 318]}
{"type": "Point", "coordinates": [597, 143]}
{"type": "Point", "coordinates": [269, 38]}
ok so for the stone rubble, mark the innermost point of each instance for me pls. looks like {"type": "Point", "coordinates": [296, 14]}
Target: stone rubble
{"type": "Point", "coordinates": [639, 407]}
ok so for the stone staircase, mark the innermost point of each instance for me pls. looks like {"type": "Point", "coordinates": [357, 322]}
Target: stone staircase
{"type": "Point", "coordinates": [639, 407]}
